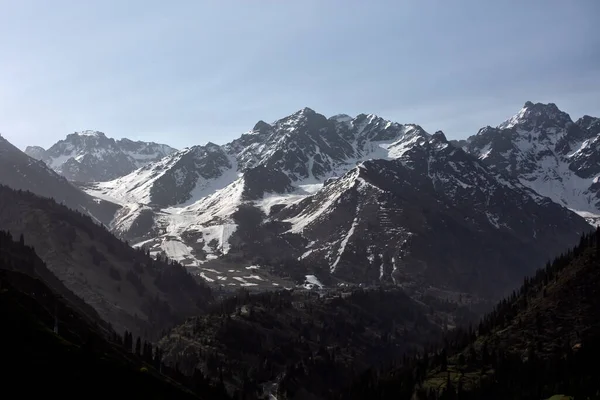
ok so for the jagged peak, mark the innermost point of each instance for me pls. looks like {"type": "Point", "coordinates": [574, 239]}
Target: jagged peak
{"type": "Point", "coordinates": [536, 113]}
{"type": "Point", "coordinates": [367, 116]}
{"type": "Point", "coordinates": [376, 119]}
{"type": "Point", "coordinates": [341, 118]}
{"type": "Point", "coordinates": [210, 146]}
{"type": "Point", "coordinates": [303, 117]}
{"type": "Point", "coordinates": [488, 130]}
{"type": "Point", "coordinates": [439, 136]}
{"type": "Point", "coordinates": [89, 133]}
{"type": "Point", "coordinates": [548, 107]}
{"type": "Point", "coordinates": [36, 152]}
{"type": "Point", "coordinates": [589, 124]}
{"type": "Point", "coordinates": [33, 148]}
{"type": "Point", "coordinates": [587, 120]}
{"type": "Point", "coordinates": [129, 141]}
{"type": "Point", "coordinates": [261, 126]}
{"type": "Point", "coordinates": [301, 114]}
{"type": "Point", "coordinates": [305, 111]}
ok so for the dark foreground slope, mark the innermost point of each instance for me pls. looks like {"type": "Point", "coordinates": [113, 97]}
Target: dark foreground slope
{"type": "Point", "coordinates": [50, 348]}
{"type": "Point", "coordinates": [300, 344]}
{"type": "Point", "coordinates": [125, 286]}
{"type": "Point", "coordinates": [541, 341]}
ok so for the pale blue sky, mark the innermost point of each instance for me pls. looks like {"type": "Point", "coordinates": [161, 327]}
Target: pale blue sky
{"type": "Point", "coordinates": [188, 72]}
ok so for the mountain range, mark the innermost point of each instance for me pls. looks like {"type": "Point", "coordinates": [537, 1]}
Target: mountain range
{"type": "Point", "coordinates": [316, 201]}
{"type": "Point", "coordinates": [354, 199]}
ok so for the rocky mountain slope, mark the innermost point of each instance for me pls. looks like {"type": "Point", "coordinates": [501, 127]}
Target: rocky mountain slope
{"type": "Point", "coordinates": [21, 172]}
{"type": "Point", "coordinates": [125, 286]}
{"type": "Point", "coordinates": [432, 216]}
{"type": "Point", "coordinates": [358, 199]}
{"type": "Point", "coordinates": [545, 150]}
{"type": "Point", "coordinates": [90, 156]}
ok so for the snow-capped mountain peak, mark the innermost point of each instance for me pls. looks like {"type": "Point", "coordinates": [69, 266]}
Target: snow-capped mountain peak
{"type": "Point", "coordinates": [89, 155]}
{"type": "Point", "coordinates": [440, 137]}
{"type": "Point", "coordinates": [90, 133]}
{"type": "Point", "coordinates": [538, 115]}
{"type": "Point", "coordinates": [543, 148]}
{"type": "Point", "coordinates": [589, 123]}
{"type": "Point", "coordinates": [305, 111]}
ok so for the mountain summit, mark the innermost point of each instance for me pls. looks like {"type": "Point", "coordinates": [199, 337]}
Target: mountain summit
{"type": "Point", "coordinates": [90, 156]}
{"type": "Point", "coordinates": [538, 115]}
{"type": "Point", "coordinates": [22, 172]}
{"type": "Point", "coordinates": [545, 150]}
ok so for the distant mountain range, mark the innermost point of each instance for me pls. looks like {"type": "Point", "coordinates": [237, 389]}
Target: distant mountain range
{"type": "Point", "coordinates": [359, 199]}
{"type": "Point", "coordinates": [321, 201]}
{"type": "Point", "coordinates": [21, 172]}
{"type": "Point", "coordinates": [90, 156]}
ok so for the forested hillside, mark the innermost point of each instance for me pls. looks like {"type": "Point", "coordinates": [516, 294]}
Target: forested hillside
{"type": "Point", "coordinates": [541, 341]}
{"type": "Point", "coordinates": [305, 343]}
{"type": "Point", "coordinates": [53, 343]}
{"type": "Point", "coordinates": [127, 287]}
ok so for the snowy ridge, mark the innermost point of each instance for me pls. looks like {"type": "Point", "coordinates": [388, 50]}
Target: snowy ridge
{"type": "Point", "coordinates": [331, 193]}
{"type": "Point", "coordinates": [136, 187]}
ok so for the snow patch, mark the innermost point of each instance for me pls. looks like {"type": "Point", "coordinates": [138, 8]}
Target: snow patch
{"type": "Point", "coordinates": [344, 241]}
{"type": "Point", "coordinates": [311, 282]}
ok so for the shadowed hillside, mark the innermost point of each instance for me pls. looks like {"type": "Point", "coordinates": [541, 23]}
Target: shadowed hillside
{"type": "Point", "coordinates": [541, 341]}
{"type": "Point", "coordinates": [56, 344]}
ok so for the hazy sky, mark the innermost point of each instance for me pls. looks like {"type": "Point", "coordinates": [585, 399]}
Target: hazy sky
{"type": "Point", "coordinates": [188, 72]}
